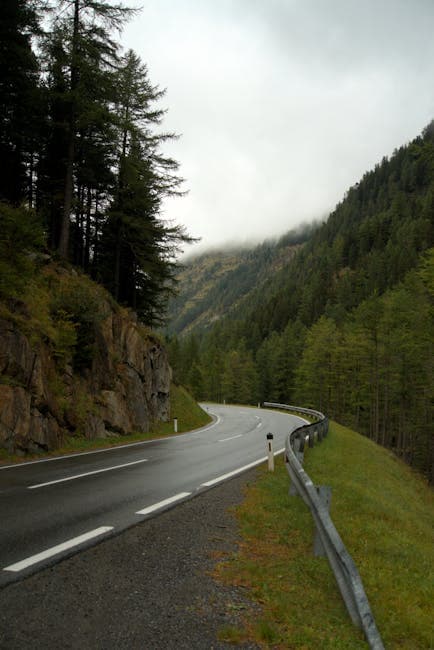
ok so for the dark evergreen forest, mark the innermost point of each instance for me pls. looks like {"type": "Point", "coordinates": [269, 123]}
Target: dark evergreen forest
{"type": "Point", "coordinates": [81, 149]}
{"type": "Point", "coordinates": [347, 325]}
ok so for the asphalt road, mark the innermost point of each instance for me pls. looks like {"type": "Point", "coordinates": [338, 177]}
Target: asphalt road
{"type": "Point", "coordinates": [52, 508]}
{"type": "Point", "coordinates": [152, 587]}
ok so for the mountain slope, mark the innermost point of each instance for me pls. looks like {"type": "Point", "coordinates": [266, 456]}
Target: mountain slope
{"type": "Point", "coordinates": [368, 244]}
{"type": "Point", "coordinates": [370, 241]}
{"type": "Point", "coordinates": [214, 283]}
{"type": "Point", "coordinates": [347, 325]}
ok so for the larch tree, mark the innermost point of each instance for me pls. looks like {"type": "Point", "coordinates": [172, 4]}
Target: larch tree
{"type": "Point", "coordinates": [19, 99]}
{"type": "Point", "coordinates": [138, 247]}
{"type": "Point", "coordinates": [83, 30]}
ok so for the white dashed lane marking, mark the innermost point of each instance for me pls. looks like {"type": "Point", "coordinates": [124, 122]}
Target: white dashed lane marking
{"type": "Point", "coordinates": [76, 476]}
{"type": "Point", "coordinates": [55, 550]}
{"type": "Point", "coordinates": [163, 504]}
{"type": "Point", "coordinates": [102, 530]}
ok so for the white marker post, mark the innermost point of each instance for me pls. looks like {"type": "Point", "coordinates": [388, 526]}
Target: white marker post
{"type": "Point", "coordinates": [270, 452]}
{"type": "Point", "coordinates": [175, 425]}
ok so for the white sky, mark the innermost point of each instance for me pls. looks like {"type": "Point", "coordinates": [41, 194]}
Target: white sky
{"type": "Point", "coordinates": [282, 105]}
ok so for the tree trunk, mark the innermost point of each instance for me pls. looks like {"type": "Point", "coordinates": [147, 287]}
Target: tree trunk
{"type": "Point", "coordinates": [86, 260]}
{"type": "Point", "coordinates": [117, 269]}
{"type": "Point", "coordinates": [69, 177]}
{"type": "Point", "coordinates": [67, 199]}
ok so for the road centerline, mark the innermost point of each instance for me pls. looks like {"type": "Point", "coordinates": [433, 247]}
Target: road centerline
{"type": "Point", "coordinates": [55, 550]}
{"type": "Point", "coordinates": [76, 476]}
{"type": "Point", "coordinates": [239, 435]}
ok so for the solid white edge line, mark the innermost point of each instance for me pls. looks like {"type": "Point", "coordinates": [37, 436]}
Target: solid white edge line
{"type": "Point", "coordinates": [129, 444]}
{"type": "Point", "coordinates": [97, 471]}
{"type": "Point", "coordinates": [118, 447]}
{"type": "Point", "coordinates": [162, 504]}
{"type": "Point", "coordinates": [55, 550]}
{"type": "Point", "coordinates": [223, 477]}
{"type": "Point", "coordinates": [196, 432]}
{"type": "Point", "coordinates": [79, 453]}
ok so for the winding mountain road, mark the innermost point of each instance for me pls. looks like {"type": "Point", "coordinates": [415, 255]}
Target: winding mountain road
{"type": "Point", "coordinates": [55, 507]}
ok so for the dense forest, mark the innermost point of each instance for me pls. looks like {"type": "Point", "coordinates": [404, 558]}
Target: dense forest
{"type": "Point", "coordinates": [83, 173]}
{"type": "Point", "coordinates": [219, 282]}
{"type": "Point", "coordinates": [347, 325]}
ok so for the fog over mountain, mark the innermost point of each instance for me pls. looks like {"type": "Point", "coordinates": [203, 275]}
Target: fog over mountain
{"type": "Point", "coordinates": [282, 105]}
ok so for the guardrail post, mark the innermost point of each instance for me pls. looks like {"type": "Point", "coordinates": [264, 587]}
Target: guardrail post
{"type": "Point", "coordinates": [298, 442]}
{"type": "Point", "coordinates": [325, 495]}
{"type": "Point", "coordinates": [299, 449]}
{"type": "Point", "coordinates": [293, 492]}
{"type": "Point", "coordinates": [270, 452]}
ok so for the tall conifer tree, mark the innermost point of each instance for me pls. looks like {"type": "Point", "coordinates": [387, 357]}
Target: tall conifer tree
{"type": "Point", "coordinates": [86, 28]}
{"type": "Point", "coordinates": [18, 99]}
{"type": "Point", "coordinates": [138, 246]}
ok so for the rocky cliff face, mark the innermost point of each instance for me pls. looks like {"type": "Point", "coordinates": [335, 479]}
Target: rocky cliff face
{"type": "Point", "coordinates": [124, 388]}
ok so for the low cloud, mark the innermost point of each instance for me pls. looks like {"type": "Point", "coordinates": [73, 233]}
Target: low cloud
{"type": "Point", "coordinates": [282, 105]}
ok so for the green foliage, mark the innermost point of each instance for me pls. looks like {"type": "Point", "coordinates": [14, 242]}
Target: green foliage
{"type": "Point", "coordinates": [19, 99]}
{"type": "Point", "coordinates": [239, 378]}
{"type": "Point", "coordinates": [377, 369]}
{"type": "Point", "coordinates": [20, 236]}
{"type": "Point", "coordinates": [77, 305]}
{"type": "Point", "coordinates": [369, 243]}
{"type": "Point", "coordinates": [137, 247]}
{"type": "Point", "coordinates": [78, 144]}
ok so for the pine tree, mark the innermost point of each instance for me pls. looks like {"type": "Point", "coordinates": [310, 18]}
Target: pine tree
{"type": "Point", "coordinates": [83, 30]}
{"type": "Point", "coordinates": [138, 247]}
{"type": "Point", "coordinates": [19, 100]}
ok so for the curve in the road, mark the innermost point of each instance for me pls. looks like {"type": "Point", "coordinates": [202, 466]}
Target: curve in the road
{"type": "Point", "coordinates": [110, 491]}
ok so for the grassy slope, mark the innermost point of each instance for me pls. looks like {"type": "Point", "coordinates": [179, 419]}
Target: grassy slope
{"type": "Point", "coordinates": [384, 513]}
{"type": "Point", "coordinates": [188, 413]}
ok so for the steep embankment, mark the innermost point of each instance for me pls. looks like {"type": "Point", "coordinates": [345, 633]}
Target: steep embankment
{"type": "Point", "coordinates": [384, 513]}
{"type": "Point", "coordinates": [72, 362]}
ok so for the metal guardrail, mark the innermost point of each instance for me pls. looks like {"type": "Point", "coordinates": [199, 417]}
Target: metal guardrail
{"type": "Point", "coordinates": [329, 540]}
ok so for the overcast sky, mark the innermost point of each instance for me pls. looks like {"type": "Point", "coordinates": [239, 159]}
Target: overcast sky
{"type": "Point", "coordinates": [282, 105]}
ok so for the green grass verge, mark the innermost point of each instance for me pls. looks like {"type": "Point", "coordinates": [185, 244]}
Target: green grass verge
{"type": "Point", "coordinates": [182, 406]}
{"type": "Point", "coordinates": [186, 410]}
{"type": "Point", "coordinates": [384, 513]}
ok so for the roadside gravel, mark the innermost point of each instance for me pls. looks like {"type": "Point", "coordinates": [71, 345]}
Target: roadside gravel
{"type": "Point", "coordinates": [149, 588]}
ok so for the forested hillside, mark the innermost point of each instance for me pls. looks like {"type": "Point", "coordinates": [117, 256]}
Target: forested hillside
{"type": "Point", "coordinates": [82, 182]}
{"type": "Point", "coordinates": [215, 283]}
{"type": "Point", "coordinates": [347, 325]}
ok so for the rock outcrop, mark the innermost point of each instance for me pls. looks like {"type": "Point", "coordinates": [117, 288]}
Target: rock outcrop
{"type": "Point", "coordinates": [124, 388]}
